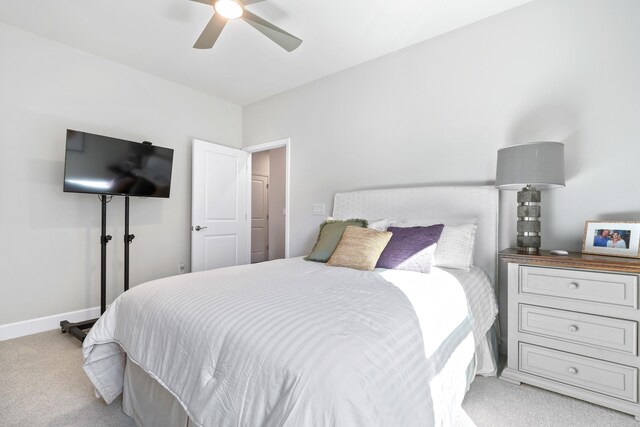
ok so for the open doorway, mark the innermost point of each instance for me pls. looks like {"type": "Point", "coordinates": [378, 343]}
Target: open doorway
{"type": "Point", "coordinates": [269, 200]}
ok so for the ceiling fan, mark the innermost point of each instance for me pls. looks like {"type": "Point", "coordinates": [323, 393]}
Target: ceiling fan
{"type": "Point", "coordinates": [224, 10]}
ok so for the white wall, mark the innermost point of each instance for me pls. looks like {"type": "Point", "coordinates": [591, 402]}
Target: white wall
{"type": "Point", "coordinates": [49, 240]}
{"type": "Point", "coordinates": [437, 112]}
{"type": "Point", "coordinates": [565, 70]}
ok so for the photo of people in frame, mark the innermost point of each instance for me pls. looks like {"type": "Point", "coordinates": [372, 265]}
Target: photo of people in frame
{"type": "Point", "coordinates": [612, 238]}
{"type": "Point", "coordinates": [615, 239]}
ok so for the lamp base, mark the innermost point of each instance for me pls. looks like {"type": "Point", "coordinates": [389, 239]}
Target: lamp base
{"type": "Point", "coordinates": [528, 250]}
{"type": "Point", "coordinates": [528, 211]}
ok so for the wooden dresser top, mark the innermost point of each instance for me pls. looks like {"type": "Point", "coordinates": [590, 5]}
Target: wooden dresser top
{"type": "Point", "coordinates": [573, 260]}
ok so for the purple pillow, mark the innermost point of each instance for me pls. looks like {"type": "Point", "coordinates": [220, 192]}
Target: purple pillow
{"type": "Point", "coordinates": [410, 248]}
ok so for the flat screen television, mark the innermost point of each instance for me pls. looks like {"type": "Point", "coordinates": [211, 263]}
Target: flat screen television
{"type": "Point", "coordinates": [99, 164]}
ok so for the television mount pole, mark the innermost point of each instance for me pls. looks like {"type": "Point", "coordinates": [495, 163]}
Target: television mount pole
{"type": "Point", "coordinates": [128, 238]}
{"type": "Point", "coordinates": [78, 329]}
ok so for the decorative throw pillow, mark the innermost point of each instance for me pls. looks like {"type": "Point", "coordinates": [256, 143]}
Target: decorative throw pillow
{"type": "Point", "coordinates": [330, 234]}
{"type": "Point", "coordinates": [359, 248]}
{"type": "Point", "coordinates": [411, 248]}
{"type": "Point", "coordinates": [455, 247]}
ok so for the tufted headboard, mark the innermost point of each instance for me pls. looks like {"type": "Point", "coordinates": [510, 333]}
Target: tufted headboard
{"type": "Point", "coordinates": [447, 204]}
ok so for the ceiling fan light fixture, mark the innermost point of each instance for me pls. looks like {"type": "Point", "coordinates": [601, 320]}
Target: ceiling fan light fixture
{"type": "Point", "coordinates": [230, 9]}
{"type": "Point", "coordinates": [233, 9]}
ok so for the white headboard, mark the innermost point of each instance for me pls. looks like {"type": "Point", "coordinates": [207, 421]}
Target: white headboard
{"type": "Point", "coordinates": [447, 204]}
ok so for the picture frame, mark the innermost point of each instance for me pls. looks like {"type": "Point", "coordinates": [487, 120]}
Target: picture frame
{"type": "Point", "coordinates": [612, 238]}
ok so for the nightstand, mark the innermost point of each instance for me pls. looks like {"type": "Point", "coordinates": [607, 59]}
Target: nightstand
{"type": "Point", "coordinates": [573, 326]}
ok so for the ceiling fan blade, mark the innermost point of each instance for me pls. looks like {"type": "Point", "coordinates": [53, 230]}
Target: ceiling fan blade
{"type": "Point", "coordinates": [285, 40]}
{"type": "Point", "coordinates": [211, 32]}
{"type": "Point", "coordinates": [247, 2]}
{"type": "Point", "coordinates": [209, 2]}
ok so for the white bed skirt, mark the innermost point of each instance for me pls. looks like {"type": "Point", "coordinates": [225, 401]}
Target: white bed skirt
{"type": "Point", "coordinates": [487, 355]}
{"type": "Point", "coordinates": [150, 404]}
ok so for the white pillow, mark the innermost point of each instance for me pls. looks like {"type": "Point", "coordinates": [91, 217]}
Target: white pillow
{"type": "Point", "coordinates": [379, 224]}
{"type": "Point", "coordinates": [455, 246]}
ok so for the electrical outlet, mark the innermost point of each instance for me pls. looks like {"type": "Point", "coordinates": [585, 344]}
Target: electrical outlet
{"type": "Point", "coordinates": [317, 209]}
{"type": "Point", "coordinates": [181, 268]}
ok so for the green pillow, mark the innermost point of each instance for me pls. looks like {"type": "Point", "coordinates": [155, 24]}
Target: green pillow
{"type": "Point", "coordinates": [330, 234]}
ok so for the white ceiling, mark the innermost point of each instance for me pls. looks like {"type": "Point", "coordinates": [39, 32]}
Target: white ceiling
{"type": "Point", "coordinates": [156, 36]}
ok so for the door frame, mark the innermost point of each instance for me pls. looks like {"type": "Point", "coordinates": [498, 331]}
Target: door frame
{"type": "Point", "coordinates": [286, 142]}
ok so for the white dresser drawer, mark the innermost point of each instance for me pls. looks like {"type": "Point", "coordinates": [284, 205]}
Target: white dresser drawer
{"type": "Point", "coordinates": [592, 286]}
{"type": "Point", "coordinates": [597, 331]}
{"type": "Point", "coordinates": [591, 374]}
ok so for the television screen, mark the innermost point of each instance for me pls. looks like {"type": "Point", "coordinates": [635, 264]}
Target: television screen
{"type": "Point", "coordinates": [102, 165]}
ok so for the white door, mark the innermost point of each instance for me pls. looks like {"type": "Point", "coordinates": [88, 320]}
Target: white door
{"type": "Point", "coordinates": [259, 218]}
{"type": "Point", "coordinates": [220, 230]}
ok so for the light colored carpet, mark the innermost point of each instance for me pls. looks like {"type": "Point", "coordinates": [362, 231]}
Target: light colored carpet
{"type": "Point", "coordinates": [495, 403]}
{"type": "Point", "coordinates": [42, 384]}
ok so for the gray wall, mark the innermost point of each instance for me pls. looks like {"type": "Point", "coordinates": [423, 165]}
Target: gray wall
{"type": "Point", "coordinates": [277, 201]}
{"type": "Point", "coordinates": [437, 112]}
{"type": "Point", "coordinates": [260, 163]}
{"type": "Point", "coordinates": [272, 163]}
{"type": "Point", "coordinates": [49, 240]}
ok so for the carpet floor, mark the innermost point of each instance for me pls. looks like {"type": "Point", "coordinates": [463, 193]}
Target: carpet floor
{"type": "Point", "coordinates": [42, 384]}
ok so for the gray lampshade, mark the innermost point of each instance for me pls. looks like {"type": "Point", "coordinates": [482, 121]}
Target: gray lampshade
{"type": "Point", "coordinates": [539, 164]}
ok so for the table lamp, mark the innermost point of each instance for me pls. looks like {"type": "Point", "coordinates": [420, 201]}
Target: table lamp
{"type": "Point", "coordinates": [530, 167]}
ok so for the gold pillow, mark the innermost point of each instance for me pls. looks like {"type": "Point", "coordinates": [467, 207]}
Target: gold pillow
{"type": "Point", "coordinates": [359, 248]}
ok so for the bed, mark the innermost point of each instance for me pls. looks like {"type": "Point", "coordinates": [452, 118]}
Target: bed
{"type": "Point", "coordinates": [299, 343]}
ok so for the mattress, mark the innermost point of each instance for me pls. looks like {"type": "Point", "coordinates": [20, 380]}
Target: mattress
{"type": "Point", "coordinates": [296, 343]}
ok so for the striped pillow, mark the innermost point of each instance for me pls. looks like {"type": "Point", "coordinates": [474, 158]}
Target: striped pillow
{"type": "Point", "coordinates": [455, 247]}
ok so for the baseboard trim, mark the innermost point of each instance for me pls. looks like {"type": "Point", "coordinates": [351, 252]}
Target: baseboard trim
{"type": "Point", "coordinates": [42, 324]}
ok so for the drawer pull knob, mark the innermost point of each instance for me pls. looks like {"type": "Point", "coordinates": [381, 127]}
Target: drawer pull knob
{"type": "Point", "coordinates": [573, 328]}
{"type": "Point", "coordinates": [573, 285]}
{"type": "Point", "coordinates": [573, 370]}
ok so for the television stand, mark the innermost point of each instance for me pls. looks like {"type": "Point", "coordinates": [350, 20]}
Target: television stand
{"type": "Point", "coordinates": [78, 329]}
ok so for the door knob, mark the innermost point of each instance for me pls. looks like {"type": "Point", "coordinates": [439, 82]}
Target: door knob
{"type": "Point", "coordinates": [198, 228]}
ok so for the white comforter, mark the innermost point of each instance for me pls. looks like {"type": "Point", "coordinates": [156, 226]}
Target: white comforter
{"type": "Point", "coordinates": [293, 343]}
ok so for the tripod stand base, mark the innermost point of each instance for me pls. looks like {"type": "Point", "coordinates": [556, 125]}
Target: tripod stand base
{"type": "Point", "coordinates": [77, 329]}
